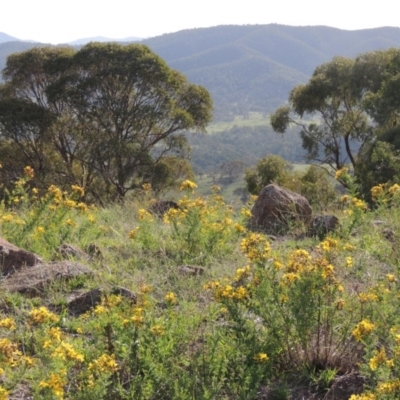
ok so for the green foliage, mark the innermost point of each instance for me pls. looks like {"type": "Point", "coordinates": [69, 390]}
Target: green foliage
{"type": "Point", "coordinates": [110, 113]}
{"type": "Point", "coordinates": [357, 108]}
{"type": "Point", "coordinates": [271, 169]}
{"type": "Point", "coordinates": [317, 187]}
{"type": "Point", "coordinates": [261, 315]}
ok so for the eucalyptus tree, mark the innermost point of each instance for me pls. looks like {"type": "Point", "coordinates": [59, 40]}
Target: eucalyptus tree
{"type": "Point", "coordinates": [117, 111]}
{"type": "Point", "coordinates": [329, 111]}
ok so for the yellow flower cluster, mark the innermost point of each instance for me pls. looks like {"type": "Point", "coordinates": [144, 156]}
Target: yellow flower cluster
{"type": "Point", "coordinates": [362, 329]}
{"type": "Point", "coordinates": [65, 351]}
{"type": "Point", "coordinates": [380, 358]}
{"type": "Point", "coordinates": [366, 297]}
{"type": "Point", "coordinates": [137, 317]}
{"type": "Point", "coordinates": [56, 383]}
{"type": "Point", "coordinates": [394, 189]}
{"type": "Point", "coordinates": [42, 315]}
{"type": "Point", "coordinates": [388, 387]}
{"type": "Point", "coordinates": [9, 352]}
{"type": "Point", "coordinates": [261, 358]}
{"type": "Point", "coordinates": [329, 244]}
{"type": "Point", "coordinates": [188, 185]}
{"type": "Point", "coordinates": [341, 172]}
{"type": "Point", "coordinates": [367, 396]}
{"type": "Point", "coordinates": [242, 273]}
{"type": "Point", "coordinates": [171, 298]}
{"type": "Point", "coordinates": [8, 323]}
{"type": "Point", "coordinates": [378, 191]}
{"type": "Point", "coordinates": [358, 203]}
{"type": "Point", "coordinates": [29, 172]}
{"type": "Point", "coordinates": [157, 330]}
{"type": "Point", "coordinates": [256, 247]}
{"type": "Point", "coordinates": [133, 232]}
{"type": "Point", "coordinates": [4, 393]}
{"type": "Point", "coordinates": [105, 364]}
{"type": "Point", "coordinates": [79, 190]}
{"type": "Point", "coordinates": [144, 215]}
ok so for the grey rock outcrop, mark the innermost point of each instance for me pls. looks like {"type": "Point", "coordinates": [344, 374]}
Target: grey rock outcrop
{"type": "Point", "coordinates": [277, 208]}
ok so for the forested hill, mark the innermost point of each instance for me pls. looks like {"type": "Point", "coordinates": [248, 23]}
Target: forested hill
{"type": "Point", "coordinates": [253, 67]}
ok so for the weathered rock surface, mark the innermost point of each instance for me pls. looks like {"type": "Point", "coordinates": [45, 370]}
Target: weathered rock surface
{"type": "Point", "coordinates": [321, 225]}
{"type": "Point", "coordinates": [68, 251]}
{"type": "Point", "coordinates": [32, 280]}
{"type": "Point", "coordinates": [12, 258]}
{"type": "Point", "coordinates": [162, 206]}
{"type": "Point", "coordinates": [80, 303]}
{"type": "Point", "coordinates": [345, 386]}
{"type": "Point", "coordinates": [277, 208]}
{"type": "Point", "coordinates": [190, 270]}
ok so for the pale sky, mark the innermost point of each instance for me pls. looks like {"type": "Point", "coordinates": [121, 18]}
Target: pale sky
{"type": "Point", "coordinates": [55, 21]}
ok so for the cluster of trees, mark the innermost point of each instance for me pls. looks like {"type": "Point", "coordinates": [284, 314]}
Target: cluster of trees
{"type": "Point", "coordinates": [349, 114]}
{"type": "Point", "coordinates": [107, 117]}
{"type": "Point", "coordinates": [314, 182]}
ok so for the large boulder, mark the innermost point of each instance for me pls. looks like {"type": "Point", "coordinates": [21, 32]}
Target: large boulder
{"type": "Point", "coordinates": [33, 280]}
{"type": "Point", "coordinates": [277, 209]}
{"type": "Point", "coordinates": [321, 225]}
{"type": "Point", "coordinates": [12, 258]}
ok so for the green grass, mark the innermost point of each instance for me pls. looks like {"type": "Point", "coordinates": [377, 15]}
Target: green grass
{"type": "Point", "coordinates": [261, 313]}
{"type": "Point", "coordinates": [254, 119]}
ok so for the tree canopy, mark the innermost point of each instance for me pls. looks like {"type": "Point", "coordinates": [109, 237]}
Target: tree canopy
{"type": "Point", "coordinates": [346, 107]}
{"type": "Point", "coordinates": [112, 116]}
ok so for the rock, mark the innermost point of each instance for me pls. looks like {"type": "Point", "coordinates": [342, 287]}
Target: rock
{"type": "Point", "coordinates": [34, 279]}
{"type": "Point", "coordinates": [345, 386]}
{"type": "Point", "coordinates": [79, 303]}
{"type": "Point", "coordinates": [389, 234]}
{"type": "Point", "coordinates": [277, 208]}
{"type": "Point", "coordinates": [83, 302]}
{"type": "Point", "coordinates": [12, 258]}
{"type": "Point", "coordinates": [68, 251]}
{"type": "Point", "coordinates": [190, 270]}
{"type": "Point", "coordinates": [126, 293]}
{"type": "Point", "coordinates": [321, 225]}
{"type": "Point", "coordinates": [162, 206]}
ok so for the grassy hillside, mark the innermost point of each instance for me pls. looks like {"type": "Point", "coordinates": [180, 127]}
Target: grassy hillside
{"type": "Point", "coordinates": [193, 305]}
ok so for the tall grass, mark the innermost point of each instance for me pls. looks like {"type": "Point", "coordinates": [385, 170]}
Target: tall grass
{"type": "Point", "coordinates": [255, 313]}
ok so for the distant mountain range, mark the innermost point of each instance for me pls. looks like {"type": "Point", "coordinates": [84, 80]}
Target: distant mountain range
{"type": "Point", "coordinates": [79, 42]}
{"type": "Point", "coordinates": [250, 67]}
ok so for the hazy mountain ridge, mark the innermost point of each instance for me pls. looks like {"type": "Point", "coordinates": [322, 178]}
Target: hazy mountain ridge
{"type": "Point", "coordinates": [252, 67]}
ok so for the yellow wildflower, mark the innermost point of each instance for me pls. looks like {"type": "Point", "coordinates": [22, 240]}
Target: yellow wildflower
{"type": "Point", "coordinates": [42, 315]}
{"type": "Point", "coordinates": [378, 359]}
{"type": "Point", "coordinates": [3, 392]}
{"type": "Point", "coordinates": [171, 298]}
{"type": "Point", "coordinates": [29, 172]}
{"type": "Point", "coordinates": [79, 190]}
{"type": "Point", "coordinates": [8, 323]}
{"type": "Point", "coordinates": [188, 185]}
{"type": "Point", "coordinates": [157, 330]}
{"type": "Point", "coordinates": [56, 383]}
{"type": "Point", "coordinates": [363, 328]}
{"type": "Point", "coordinates": [341, 172]}
{"type": "Point", "coordinates": [146, 187]}
{"type": "Point", "coordinates": [133, 232]}
{"type": "Point", "coordinates": [144, 215]}
{"type": "Point", "coordinates": [377, 191]}
{"type": "Point", "coordinates": [65, 351]}
{"type": "Point", "coordinates": [105, 364]}
{"type": "Point", "coordinates": [349, 261]}
{"type": "Point", "coordinates": [395, 189]}
{"type": "Point", "coordinates": [390, 277]}
{"type": "Point", "coordinates": [261, 358]}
